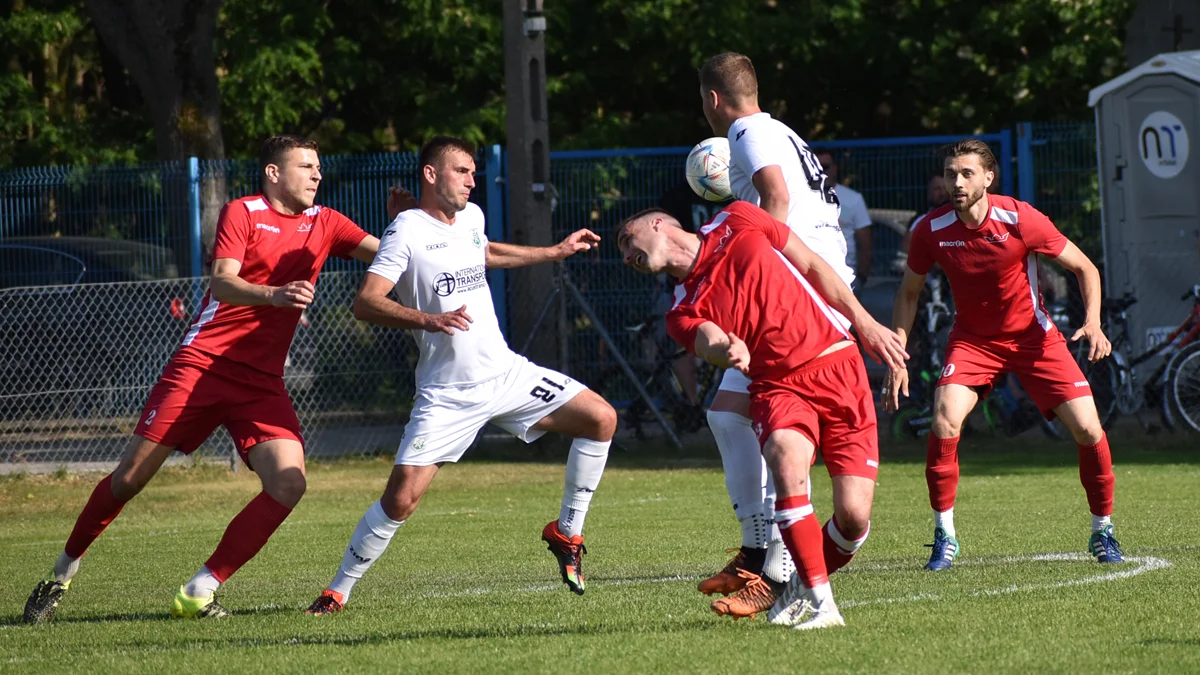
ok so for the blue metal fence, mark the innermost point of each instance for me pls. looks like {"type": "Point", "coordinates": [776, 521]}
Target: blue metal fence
{"type": "Point", "coordinates": [1059, 176]}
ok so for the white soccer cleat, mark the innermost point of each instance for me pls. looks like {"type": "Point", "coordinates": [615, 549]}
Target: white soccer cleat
{"type": "Point", "coordinates": [793, 605]}
{"type": "Point", "coordinates": [825, 616]}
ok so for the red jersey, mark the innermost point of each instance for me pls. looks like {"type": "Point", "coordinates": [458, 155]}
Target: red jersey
{"type": "Point", "coordinates": [993, 269]}
{"type": "Point", "coordinates": [274, 249]}
{"type": "Point", "coordinates": [742, 283]}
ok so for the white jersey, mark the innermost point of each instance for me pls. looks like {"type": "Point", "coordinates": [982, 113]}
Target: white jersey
{"type": "Point", "coordinates": [438, 268]}
{"type": "Point", "coordinates": [758, 141]}
{"type": "Point", "coordinates": [854, 217]}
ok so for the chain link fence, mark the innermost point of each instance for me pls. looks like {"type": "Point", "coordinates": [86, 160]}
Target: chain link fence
{"type": "Point", "coordinates": [77, 363]}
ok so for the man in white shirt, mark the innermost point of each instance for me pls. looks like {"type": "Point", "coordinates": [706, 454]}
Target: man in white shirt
{"type": "Point", "coordinates": [436, 258]}
{"type": "Point", "coordinates": [772, 167]}
{"type": "Point", "coordinates": [854, 220]}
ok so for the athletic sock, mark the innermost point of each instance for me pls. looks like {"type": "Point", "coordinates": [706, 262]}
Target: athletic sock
{"type": "Point", "coordinates": [941, 471]}
{"type": "Point", "coordinates": [247, 533]}
{"type": "Point", "coordinates": [1096, 474]}
{"type": "Point", "coordinates": [945, 520]}
{"type": "Point", "coordinates": [802, 535]}
{"type": "Point", "coordinates": [745, 474]}
{"type": "Point", "coordinates": [370, 539]}
{"type": "Point", "coordinates": [838, 548]}
{"type": "Point", "coordinates": [101, 509]}
{"type": "Point", "coordinates": [585, 466]}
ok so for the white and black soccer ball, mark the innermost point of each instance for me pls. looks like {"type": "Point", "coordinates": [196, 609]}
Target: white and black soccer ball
{"type": "Point", "coordinates": [708, 169]}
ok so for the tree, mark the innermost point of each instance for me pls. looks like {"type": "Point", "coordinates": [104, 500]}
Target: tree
{"type": "Point", "coordinates": [167, 47]}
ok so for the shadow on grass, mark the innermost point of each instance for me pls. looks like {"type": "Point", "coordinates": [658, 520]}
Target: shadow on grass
{"type": "Point", "coordinates": [16, 620]}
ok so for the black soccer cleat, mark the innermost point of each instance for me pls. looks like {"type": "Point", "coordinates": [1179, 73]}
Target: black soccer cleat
{"type": "Point", "coordinates": [44, 600]}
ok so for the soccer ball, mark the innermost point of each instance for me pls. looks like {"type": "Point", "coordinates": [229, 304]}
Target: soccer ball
{"type": "Point", "coordinates": [708, 169]}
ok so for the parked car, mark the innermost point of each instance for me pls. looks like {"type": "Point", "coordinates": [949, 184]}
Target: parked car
{"type": "Point", "coordinates": [66, 261]}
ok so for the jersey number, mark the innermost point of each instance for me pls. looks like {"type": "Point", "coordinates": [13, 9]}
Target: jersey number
{"type": "Point", "coordinates": [817, 180]}
{"type": "Point", "coordinates": [544, 393]}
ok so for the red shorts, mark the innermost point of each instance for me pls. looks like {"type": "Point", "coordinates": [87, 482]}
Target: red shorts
{"type": "Point", "coordinates": [198, 391]}
{"type": "Point", "coordinates": [828, 400]}
{"type": "Point", "coordinates": [1041, 361]}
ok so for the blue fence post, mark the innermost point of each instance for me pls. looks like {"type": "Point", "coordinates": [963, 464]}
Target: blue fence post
{"type": "Point", "coordinates": [1025, 170]}
{"type": "Point", "coordinates": [194, 211]}
{"type": "Point", "coordinates": [497, 279]}
{"type": "Point", "coordinates": [1006, 149]}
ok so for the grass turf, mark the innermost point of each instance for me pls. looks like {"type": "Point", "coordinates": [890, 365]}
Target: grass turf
{"type": "Point", "coordinates": [468, 586]}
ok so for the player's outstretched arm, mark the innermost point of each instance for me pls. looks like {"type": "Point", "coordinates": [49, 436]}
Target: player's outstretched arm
{"type": "Point", "coordinates": [373, 305]}
{"type": "Point", "coordinates": [506, 256]}
{"type": "Point", "coordinates": [724, 350]}
{"type": "Point", "coordinates": [881, 344]}
{"type": "Point", "coordinates": [228, 288]}
{"type": "Point", "coordinates": [1074, 260]}
{"type": "Point", "coordinates": [904, 311]}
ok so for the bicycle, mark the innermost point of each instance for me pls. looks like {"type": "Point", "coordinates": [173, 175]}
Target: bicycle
{"type": "Point", "coordinates": [657, 376]}
{"type": "Point", "coordinates": [1171, 387]}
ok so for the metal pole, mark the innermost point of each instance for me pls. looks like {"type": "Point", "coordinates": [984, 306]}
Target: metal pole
{"type": "Point", "coordinates": [194, 214]}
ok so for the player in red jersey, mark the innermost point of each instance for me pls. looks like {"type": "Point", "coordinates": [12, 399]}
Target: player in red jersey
{"type": "Point", "coordinates": [753, 297]}
{"type": "Point", "coordinates": [228, 370]}
{"type": "Point", "coordinates": [988, 247]}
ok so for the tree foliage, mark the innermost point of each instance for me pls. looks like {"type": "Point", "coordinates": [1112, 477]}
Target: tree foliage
{"type": "Point", "coordinates": [380, 75]}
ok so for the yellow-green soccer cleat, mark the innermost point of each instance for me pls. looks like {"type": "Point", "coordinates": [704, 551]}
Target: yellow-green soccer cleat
{"type": "Point", "coordinates": [44, 600]}
{"type": "Point", "coordinates": [185, 606]}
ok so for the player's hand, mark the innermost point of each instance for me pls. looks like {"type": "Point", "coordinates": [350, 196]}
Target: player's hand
{"type": "Point", "coordinates": [580, 240]}
{"type": "Point", "coordinates": [449, 322]}
{"type": "Point", "coordinates": [296, 294]}
{"type": "Point", "coordinates": [1100, 346]}
{"type": "Point", "coordinates": [882, 344]}
{"type": "Point", "coordinates": [737, 355]}
{"type": "Point", "coordinates": [399, 200]}
{"type": "Point", "coordinates": [894, 384]}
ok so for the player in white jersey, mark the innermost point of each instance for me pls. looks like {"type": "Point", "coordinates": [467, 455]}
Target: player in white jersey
{"type": "Point", "coordinates": [771, 166]}
{"type": "Point", "coordinates": [436, 258]}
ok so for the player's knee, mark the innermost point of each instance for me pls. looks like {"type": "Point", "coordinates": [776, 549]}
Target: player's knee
{"type": "Point", "coordinates": [288, 488]}
{"type": "Point", "coordinates": [399, 506]}
{"type": "Point", "coordinates": [854, 521]}
{"type": "Point", "coordinates": [1088, 433]}
{"type": "Point", "coordinates": [604, 422]}
{"type": "Point", "coordinates": [126, 484]}
{"type": "Point", "coordinates": [945, 424]}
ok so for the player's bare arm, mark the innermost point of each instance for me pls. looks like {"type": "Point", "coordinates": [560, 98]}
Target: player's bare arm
{"type": "Point", "coordinates": [366, 250]}
{"type": "Point", "coordinates": [373, 305]}
{"type": "Point", "coordinates": [881, 344]}
{"type": "Point", "coordinates": [724, 350]}
{"type": "Point", "coordinates": [773, 194]}
{"type": "Point", "coordinates": [1075, 261]}
{"type": "Point", "coordinates": [506, 256]}
{"type": "Point", "coordinates": [904, 311]}
{"type": "Point", "coordinates": [227, 287]}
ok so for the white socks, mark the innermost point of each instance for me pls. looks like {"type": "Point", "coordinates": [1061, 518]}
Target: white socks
{"type": "Point", "coordinates": [745, 474]}
{"type": "Point", "coordinates": [945, 520]}
{"type": "Point", "coordinates": [585, 466]}
{"type": "Point", "coordinates": [370, 539]}
{"type": "Point", "coordinates": [778, 566]}
{"type": "Point", "coordinates": [1098, 523]}
{"type": "Point", "coordinates": [65, 568]}
{"type": "Point", "coordinates": [202, 585]}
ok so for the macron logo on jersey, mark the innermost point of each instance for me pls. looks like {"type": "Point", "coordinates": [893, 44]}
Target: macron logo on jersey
{"type": "Point", "coordinates": [268, 228]}
{"type": "Point", "coordinates": [951, 244]}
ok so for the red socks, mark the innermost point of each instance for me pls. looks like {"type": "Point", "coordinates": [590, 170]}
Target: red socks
{"type": "Point", "coordinates": [1096, 474]}
{"type": "Point", "coordinates": [101, 509]}
{"type": "Point", "coordinates": [838, 548]}
{"type": "Point", "coordinates": [247, 533]}
{"type": "Point", "coordinates": [941, 471]}
{"type": "Point", "coordinates": [802, 536]}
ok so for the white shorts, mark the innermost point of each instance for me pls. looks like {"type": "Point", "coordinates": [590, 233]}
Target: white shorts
{"type": "Point", "coordinates": [733, 380]}
{"type": "Point", "coordinates": [445, 420]}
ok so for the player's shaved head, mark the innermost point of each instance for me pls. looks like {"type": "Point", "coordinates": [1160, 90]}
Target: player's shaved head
{"type": "Point", "coordinates": [732, 76]}
{"type": "Point", "coordinates": [275, 148]}
{"type": "Point", "coordinates": [643, 217]}
{"type": "Point", "coordinates": [970, 146]}
{"type": "Point", "coordinates": [436, 148]}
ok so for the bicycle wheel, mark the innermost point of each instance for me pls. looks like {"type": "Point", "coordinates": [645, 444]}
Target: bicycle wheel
{"type": "Point", "coordinates": [1184, 386]}
{"type": "Point", "coordinates": [908, 422]}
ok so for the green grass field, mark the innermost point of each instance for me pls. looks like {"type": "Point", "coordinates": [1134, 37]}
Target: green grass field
{"type": "Point", "coordinates": [467, 586]}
